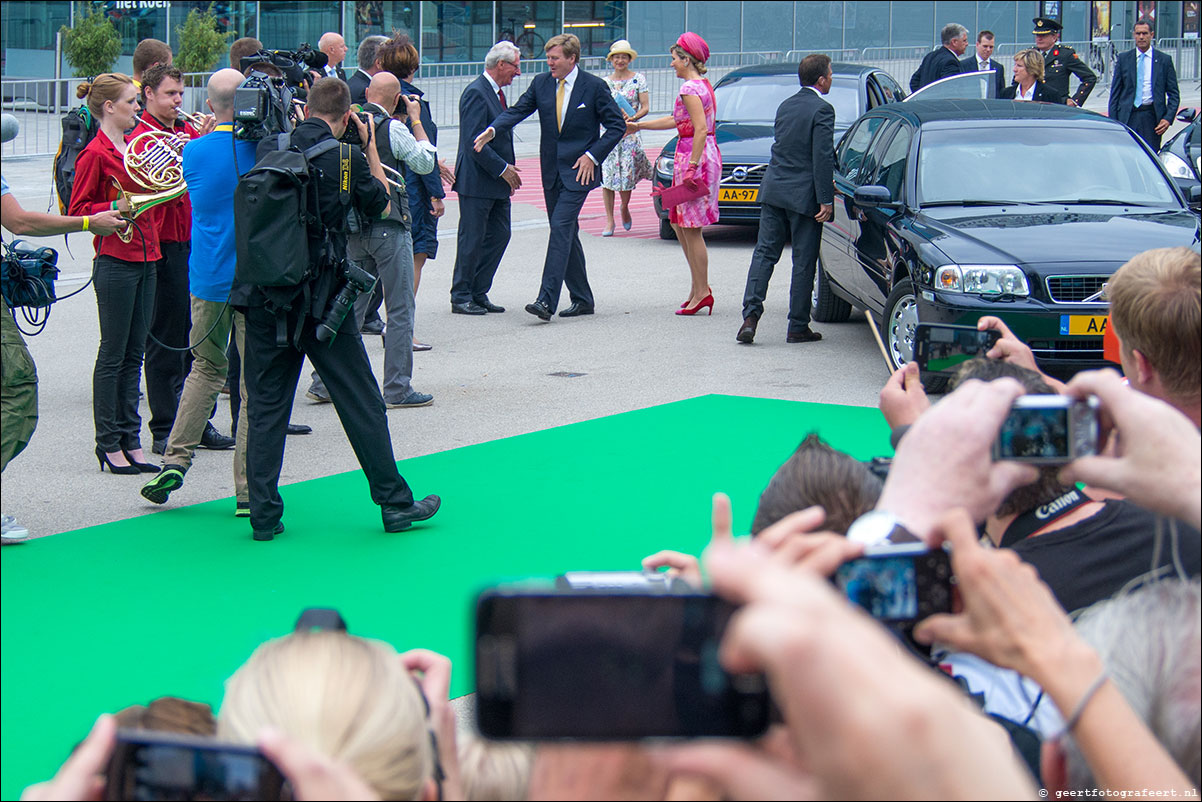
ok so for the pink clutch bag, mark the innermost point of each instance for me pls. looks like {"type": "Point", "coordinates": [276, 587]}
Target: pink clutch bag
{"type": "Point", "coordinates": [689, 189]}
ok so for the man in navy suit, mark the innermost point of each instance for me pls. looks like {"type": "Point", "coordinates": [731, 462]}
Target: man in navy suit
{"type": "Point", "coordinates": [944, 60]}
{"type": "Point", "coordinates": [484, 180]}
{"type": "Point", "coordinates": [572, 106]}
{"type": "Point", "coordinates": [983, 60]}
{"type": "Point", "coordinates": [1144, 93]}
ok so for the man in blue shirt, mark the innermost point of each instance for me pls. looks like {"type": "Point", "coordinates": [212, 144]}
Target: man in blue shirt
{"type": "Point", "coordinates": [212, 165]}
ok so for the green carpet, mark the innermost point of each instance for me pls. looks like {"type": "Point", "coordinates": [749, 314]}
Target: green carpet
{"type": "Point", "coordinates": [172, 603]}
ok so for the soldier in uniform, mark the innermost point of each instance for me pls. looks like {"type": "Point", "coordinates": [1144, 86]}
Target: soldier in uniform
{"type": "Point", "coordinates": [1060, 60]}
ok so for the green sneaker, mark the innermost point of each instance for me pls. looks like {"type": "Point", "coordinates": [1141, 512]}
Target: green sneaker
{"type": "Point", "coordinates": [158, 489]}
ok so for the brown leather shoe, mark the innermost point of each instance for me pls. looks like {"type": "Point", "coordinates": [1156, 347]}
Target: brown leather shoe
{"type": "Point", "coordinates": [805, 335]}
{"type": "Point", "coordinates": [746, 333]}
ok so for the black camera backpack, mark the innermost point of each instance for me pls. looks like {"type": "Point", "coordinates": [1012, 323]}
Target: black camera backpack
{"type": "Point", "coordinates": [79, 128]}
{"type": "Point", "coordinates": [280, 239]}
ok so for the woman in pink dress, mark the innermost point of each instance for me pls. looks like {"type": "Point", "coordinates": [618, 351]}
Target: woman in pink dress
{"type": "Point", "coordinates": [697, 157]}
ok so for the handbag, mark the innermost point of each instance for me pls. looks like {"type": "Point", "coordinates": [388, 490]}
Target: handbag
{"type": "Point", "coordinates": [687, 190]}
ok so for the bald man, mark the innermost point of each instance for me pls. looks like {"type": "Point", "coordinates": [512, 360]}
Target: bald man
{"type": "Point", "coordinates": [334, 46]}
{"type": "Point", "coordinates": [385, 247]}
{"type": "Point", "coordinates": [212, 165]}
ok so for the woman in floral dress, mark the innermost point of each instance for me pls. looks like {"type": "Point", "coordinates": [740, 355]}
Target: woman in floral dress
{"type": "Point", "coordinates": [627, 163]}
{"type": "Point", "coordinates": [697, 157]}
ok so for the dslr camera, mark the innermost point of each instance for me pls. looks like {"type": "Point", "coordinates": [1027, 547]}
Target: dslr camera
{"type": "Point", "coordinates": [357, 281]}
{"type": "Point", "coordinates": [351, 135]}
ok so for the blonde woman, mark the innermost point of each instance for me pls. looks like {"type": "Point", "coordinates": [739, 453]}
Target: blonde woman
{"type": "Point", "coordinates": [1028, 80]}
{"type": "Point", "coordinates": [356, 702]}
{"type": "Point", "coordinates": [627, 163]}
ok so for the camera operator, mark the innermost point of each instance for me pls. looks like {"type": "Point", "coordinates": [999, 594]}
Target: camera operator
{"type": "Point", "coordinates": [282, 328]}
{"type": "Point", "coordinates": [385, 247]}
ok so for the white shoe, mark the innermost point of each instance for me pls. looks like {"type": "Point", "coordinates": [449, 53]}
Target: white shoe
{"type": "Point", "coordinates": [11, 531]}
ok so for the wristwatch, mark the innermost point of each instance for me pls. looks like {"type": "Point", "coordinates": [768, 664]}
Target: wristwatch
{"type": "Point", "coordinates": [877, 527]}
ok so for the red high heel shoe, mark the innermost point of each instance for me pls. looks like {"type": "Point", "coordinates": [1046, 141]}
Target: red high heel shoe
{"type": "Point", "coordinates": [706, 302]}
{"type": "Point", "coordinates": [686, 300]}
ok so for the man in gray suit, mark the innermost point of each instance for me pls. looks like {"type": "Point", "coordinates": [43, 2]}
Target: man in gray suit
{"type": "Point", "coordinates": [797, 197]}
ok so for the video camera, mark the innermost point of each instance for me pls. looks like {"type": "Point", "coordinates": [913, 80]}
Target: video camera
{"type": "Point", "coordinates": [276, 80]}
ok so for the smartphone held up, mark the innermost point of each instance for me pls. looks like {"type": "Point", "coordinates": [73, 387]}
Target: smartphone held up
{"type": "Point", "coordinates": [155, 765]}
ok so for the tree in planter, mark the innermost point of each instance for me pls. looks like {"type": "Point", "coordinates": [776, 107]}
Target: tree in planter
{"type": "Point", "coordinates": [201, 45]}
{"type": "Point", "coordinates": [92, 46]}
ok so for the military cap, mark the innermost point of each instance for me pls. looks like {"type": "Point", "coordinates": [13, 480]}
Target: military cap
{"type": "Point", "coordinates": [1043, 25]}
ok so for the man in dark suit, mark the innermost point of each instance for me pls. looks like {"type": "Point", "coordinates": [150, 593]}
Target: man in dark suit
{"type": "Point", "coordinates": [1144, 93]}
{"type": "Point", "coordinates": [983, 60]}
{"type": "Point", "coordinates": [484, 181]}
{"type": "Point", "coordinates": [797, 196]}
{"type": "Point", "coordinates": [334, 46]}
{"type": "Point", "coordinates": [368, 65]}
{"type": "Point", "coordinates": [943, 60]}
{"type": "Point", "coordinates": [572, 105]}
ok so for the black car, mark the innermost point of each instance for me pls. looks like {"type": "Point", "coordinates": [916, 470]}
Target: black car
{"type": "Point", "coordinates": [747, 99]}
{"type": "Point", "coordinates": [948, 210]}
{"type": "Point", "coordinates": [1182, 157]}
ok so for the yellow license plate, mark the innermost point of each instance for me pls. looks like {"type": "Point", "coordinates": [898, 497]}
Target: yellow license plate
{"type": "Point", "coordinates": [1083, 325]}
{"type": "Point", "coordinates": [737, 195]}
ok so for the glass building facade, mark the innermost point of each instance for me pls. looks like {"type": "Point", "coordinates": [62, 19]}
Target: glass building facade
{"type": "Point", "coordinates": [463, 30]}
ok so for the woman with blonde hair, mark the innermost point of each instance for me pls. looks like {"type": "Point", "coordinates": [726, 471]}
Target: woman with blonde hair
{"type": "Point", "coordinates": [627, 163]}
{"type": "Point", "coordinates": [123, 274]}
{"type": "Point", "coordinates": [697, 158]}
{"type": "Point", "coordinates": [1028, 80]}
{"type": "Point", "coordinates": [350, 699]}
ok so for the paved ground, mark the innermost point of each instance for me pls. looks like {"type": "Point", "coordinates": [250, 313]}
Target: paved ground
{"type": "Point", "coordinates": [491, 377]}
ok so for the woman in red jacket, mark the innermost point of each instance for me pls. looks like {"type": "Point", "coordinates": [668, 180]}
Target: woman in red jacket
{"type": "Point", "coordinates": [123, 276]}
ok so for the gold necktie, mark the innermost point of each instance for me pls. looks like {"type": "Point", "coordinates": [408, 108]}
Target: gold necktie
{"type": "Point", "coordinates": [559, 103]}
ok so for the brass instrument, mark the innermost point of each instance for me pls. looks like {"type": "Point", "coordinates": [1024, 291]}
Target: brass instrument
{"type": "Point", "coordinates": [196, 118]}
{"type": "Point", "coordinates": [155, 161]}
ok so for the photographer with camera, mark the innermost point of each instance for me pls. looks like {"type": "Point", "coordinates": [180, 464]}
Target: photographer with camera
{"type": "Point", "coordinates": [286, 323]}
{"type": "Point", "coordinates": [385, 247]}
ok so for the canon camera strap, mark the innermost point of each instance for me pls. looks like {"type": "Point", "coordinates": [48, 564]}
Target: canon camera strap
{"type": "Point", "coordinates": [1032, 521]}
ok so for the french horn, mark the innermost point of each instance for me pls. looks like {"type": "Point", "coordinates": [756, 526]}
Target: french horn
{"type": "Point", "coordinates": [155, 162]}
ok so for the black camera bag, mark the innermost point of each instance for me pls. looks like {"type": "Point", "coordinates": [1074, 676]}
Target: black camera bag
{"type": "Point", "coordinates": [29, 275]}
{"type": "Point", "coordinates": [280, 239]}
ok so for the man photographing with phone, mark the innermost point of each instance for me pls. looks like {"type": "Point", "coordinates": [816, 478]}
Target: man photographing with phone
{"type": "Point", "coordinates": [286, 323]}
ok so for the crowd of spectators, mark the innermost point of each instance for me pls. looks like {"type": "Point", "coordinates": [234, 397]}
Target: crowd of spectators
{"type": "Point", "coordinates": [1070, 663]}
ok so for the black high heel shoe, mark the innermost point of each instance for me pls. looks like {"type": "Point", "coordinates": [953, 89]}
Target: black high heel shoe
{"type": "Point", "coordinates": [123, 470]}
{"type": "Point", "coordinates": [143, 467]}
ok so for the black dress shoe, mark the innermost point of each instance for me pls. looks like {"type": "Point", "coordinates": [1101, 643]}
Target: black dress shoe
{"type": "Point", "coordinates": [159, 446]}
{"type": "Point", "coordinates": [746, 333]}
{"type": "Point", "coordinates": [469, 308]}
{"type": "Point", "coordinates": [397, 519]}
{"type": "Point", "coordinates": [540, 310]}
{"type": "Point", "coordinates": [488, 305]}
{"type": "Point", "coordinates": [267, 534]}
{"type": "Point", "coordinates": [576, 310]}
{"type": "Point", "coordinates": [214, 440]}
{"type": "Point", "coordinates": [299, 428]}
{"type": "Point", "coordinates": [372, 327]}
{"type": "Point", "coordinates": [805, 335]}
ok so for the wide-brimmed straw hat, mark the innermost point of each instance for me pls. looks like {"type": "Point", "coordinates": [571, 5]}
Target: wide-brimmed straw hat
{"type": "Point", "coordinates": [621, 46]}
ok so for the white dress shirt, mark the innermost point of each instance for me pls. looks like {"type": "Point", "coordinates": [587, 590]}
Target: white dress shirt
{"type": "Point", "coordinates": [1143, 94]}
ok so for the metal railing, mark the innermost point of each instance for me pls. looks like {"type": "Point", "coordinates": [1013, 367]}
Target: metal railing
{"type": "Point", "coordinates": [40, 103]}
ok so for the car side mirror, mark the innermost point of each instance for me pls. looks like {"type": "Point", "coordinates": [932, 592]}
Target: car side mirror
{"type": "Point", "coordinates": [1195, 193]}
{"type": "Point", "coordinates": [872, 196]}
{"type": "Point", "coordinates": [1187, 115]}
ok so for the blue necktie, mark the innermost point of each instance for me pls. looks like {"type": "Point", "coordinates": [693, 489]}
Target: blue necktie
{"type": "Point", "coordinates": [1139, 79]}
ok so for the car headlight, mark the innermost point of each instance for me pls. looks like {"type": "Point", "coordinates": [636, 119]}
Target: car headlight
{"type": "Point", "coordinates": [663, 165]}
{"type": "Point", "coordinates": [982, 279]}
{"type": "Point", "coordinates": [1177, 166]}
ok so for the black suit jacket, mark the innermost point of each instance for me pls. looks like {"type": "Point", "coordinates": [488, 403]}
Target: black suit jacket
{"type": "Point", "coordinates": [479, 174]}
{"type": "Point", "coordinates": [939, 63]}
{"type": "Point", "coordinates": [358, 86]}
{"type": "Point", "coordinates": [800, 175]}
{"type": "Point", "coordinates": [970, 65]}
{"type": "Point", "coordinates": [1043, 93]}
{"type": "Point", "coordinates": [590, 107]}
{"type": "Point", "coordinates": [1166, 96]}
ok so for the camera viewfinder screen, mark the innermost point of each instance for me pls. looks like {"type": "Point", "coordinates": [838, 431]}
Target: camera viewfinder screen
{"type": "Point", "coordinates": [948, 348]}
{"type": "Point", "coordinates": [886, 587]}
{"type": "Point", "coordinates": [1034, 433]}
{"type": "Point", "coordinates": [175, 772]}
